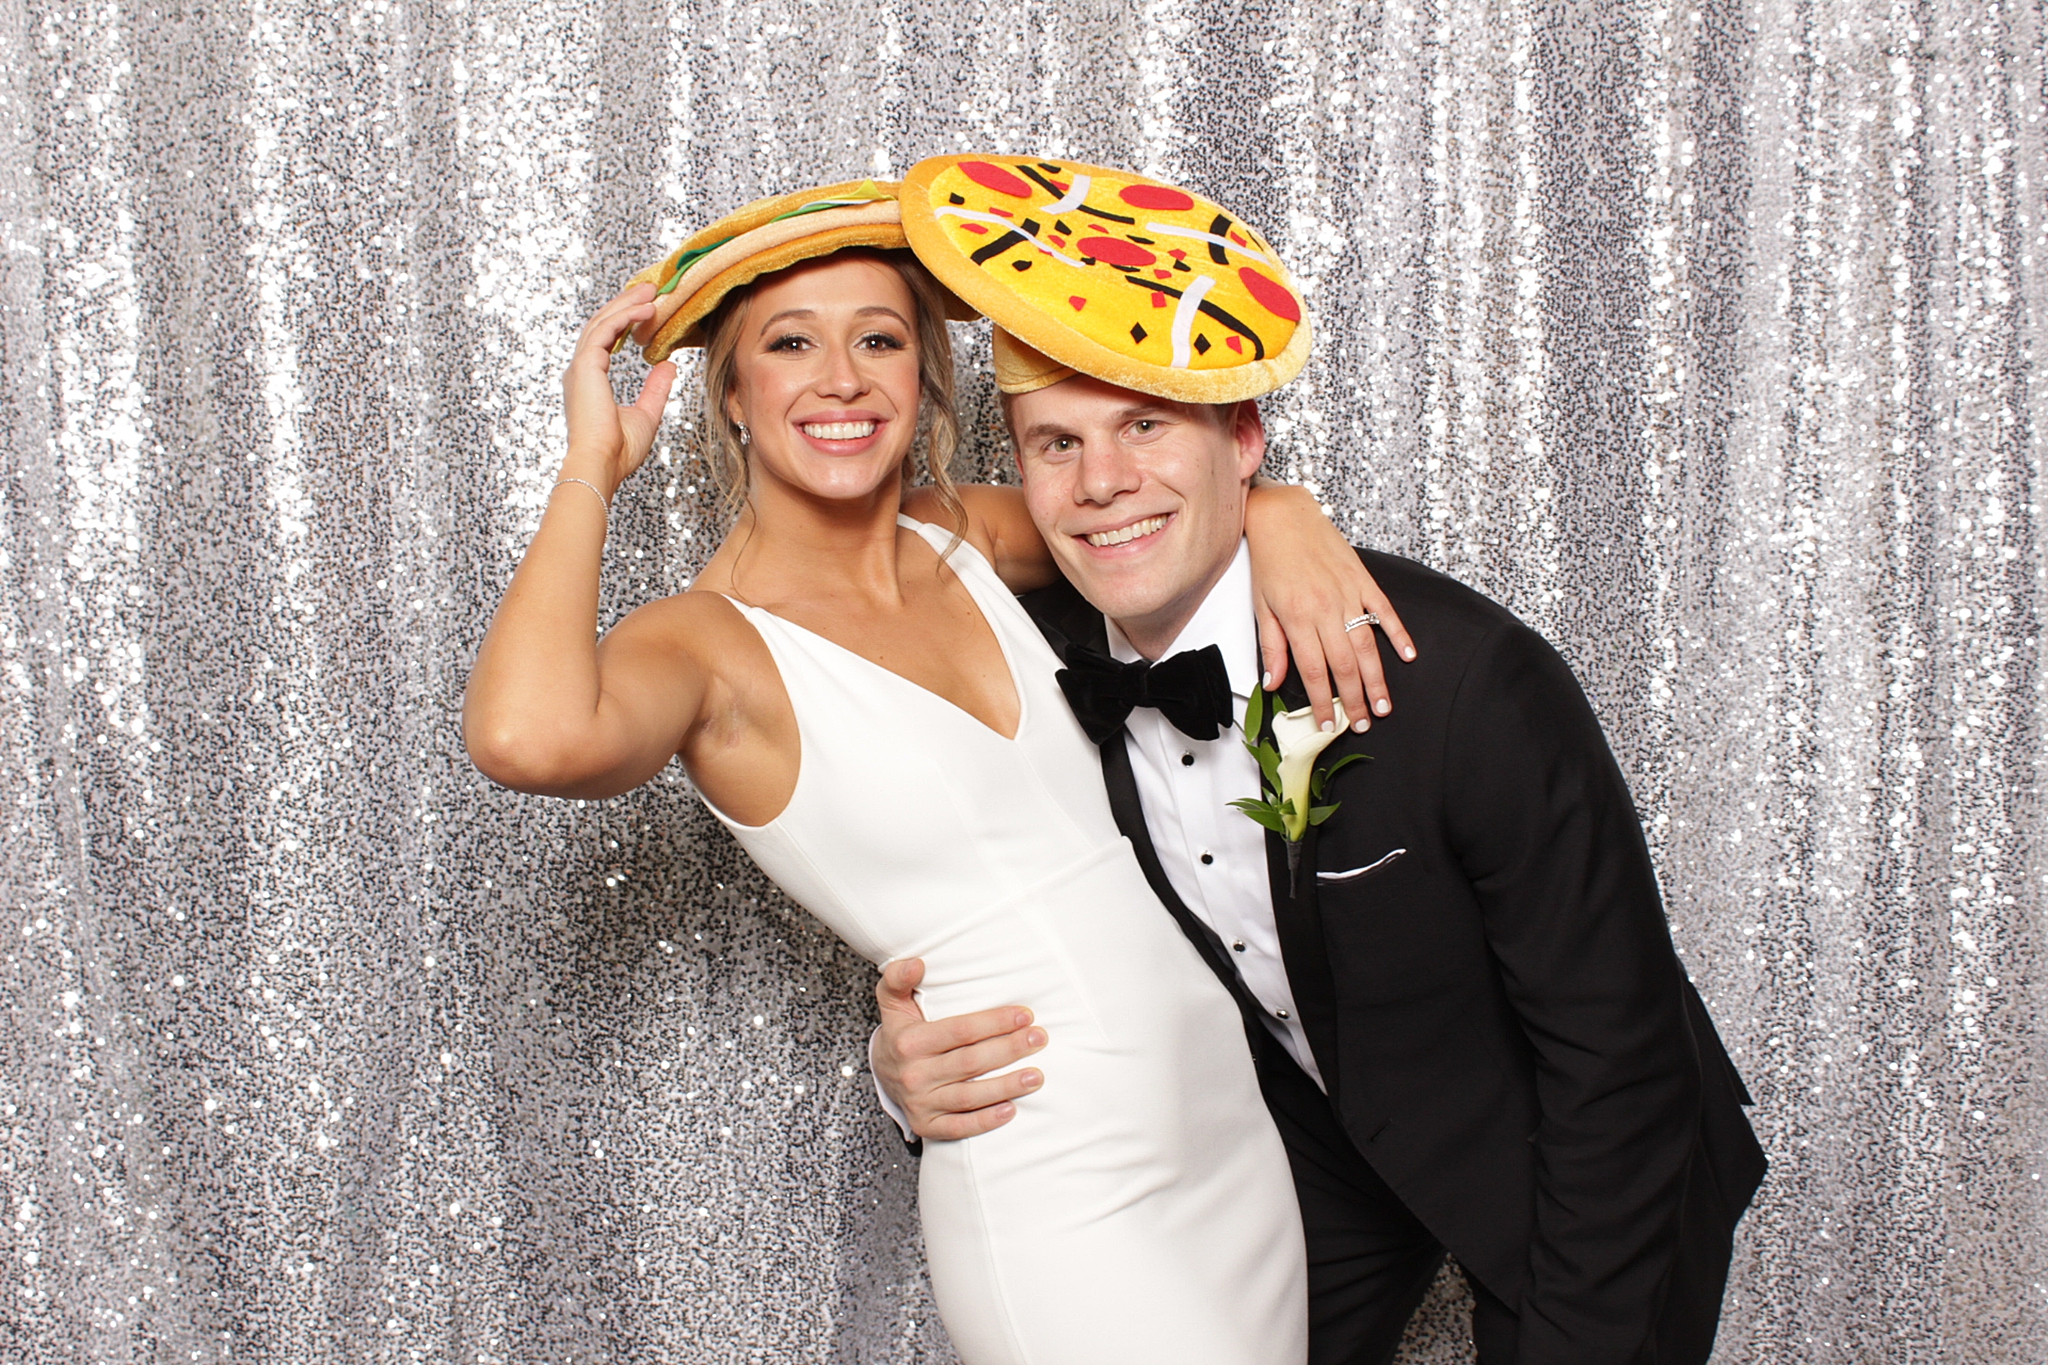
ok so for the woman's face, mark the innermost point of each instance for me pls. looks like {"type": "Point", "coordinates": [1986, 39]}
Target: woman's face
{"type": "Point", "coordinates": [826, 377]}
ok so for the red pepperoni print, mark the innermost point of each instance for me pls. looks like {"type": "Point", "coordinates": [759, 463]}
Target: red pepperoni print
{"type": "Point", "coordinates": [1114, 251]}
{"type": "Point", "coordinates": [1156, 197]}
{"type": "Point", "coordinates": [975, 228]}
{"type": "Point", "coordinates": [1274, 298]}
{"type": "Point", "coordinates": [992, 177]}
{"type": "Point", "coordinates": [1078, 302]}
{"type": "Point", "coordinates": [1158, 299]}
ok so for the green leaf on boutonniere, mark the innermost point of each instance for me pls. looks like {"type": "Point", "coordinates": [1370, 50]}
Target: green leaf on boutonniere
{"type": "Point", "coordinates": [1255, 714]}
{"type": "Point", "coordinates": [1264, 812]}
{"type": "Point", "coordinates": [1269, 764]}
{"type": "Point", "coordinates": [1318, 814]}
{"type": "Point", "coordinates": [1322, 778]}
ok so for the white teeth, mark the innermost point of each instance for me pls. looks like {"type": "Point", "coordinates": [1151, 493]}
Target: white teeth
{"type": "Point", "coordinates": [1127, 533]}
{"type": "Point", "coordinates": [838, 431]}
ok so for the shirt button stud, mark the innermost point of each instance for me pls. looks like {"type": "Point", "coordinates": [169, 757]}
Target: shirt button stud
{"type": "Point", "coordinates": [1238, 946]}
{"type": "Point", "coordinates": [1187, 760]}
{"type": "Point", "coordinates": [1279, 1014]}
{"type": "Point", "coordinates": [1208, 858]}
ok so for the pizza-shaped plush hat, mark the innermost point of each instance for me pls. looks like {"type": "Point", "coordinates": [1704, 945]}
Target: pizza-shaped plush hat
{"type": "Point", "coordinates": [765, 236]}
{"type": "Point", "coordinates": [1109, 273]}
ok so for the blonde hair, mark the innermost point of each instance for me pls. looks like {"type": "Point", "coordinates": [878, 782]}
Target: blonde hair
{"type": "Point", "coordinates": [937, 416]}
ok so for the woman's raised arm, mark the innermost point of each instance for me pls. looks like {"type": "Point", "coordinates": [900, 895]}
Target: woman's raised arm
{"type": "Point", "coordinates": [546, 711]}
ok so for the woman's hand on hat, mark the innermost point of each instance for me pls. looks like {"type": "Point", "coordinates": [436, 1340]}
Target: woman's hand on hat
{"type": "Point", "coordinates": [608, 440]}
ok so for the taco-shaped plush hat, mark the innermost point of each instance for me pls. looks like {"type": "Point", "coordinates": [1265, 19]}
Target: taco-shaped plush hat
{"type": "Point", "coordinates": [1109, 273]}
{"type": "Point", "coordinates": [765, 236]}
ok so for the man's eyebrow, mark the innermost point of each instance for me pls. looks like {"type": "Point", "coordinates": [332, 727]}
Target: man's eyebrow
{"type": "Point", "coordinates": [1040, 431]}
{"type": "Point", "coordinates": [1043, 430]}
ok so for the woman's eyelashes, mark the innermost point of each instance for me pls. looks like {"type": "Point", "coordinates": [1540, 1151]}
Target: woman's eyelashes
{"type": "Point", "coordinates": [871, 342]}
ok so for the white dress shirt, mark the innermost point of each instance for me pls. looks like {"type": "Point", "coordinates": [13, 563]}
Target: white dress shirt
{"type": "Point", "coordinates": [1213, 854]}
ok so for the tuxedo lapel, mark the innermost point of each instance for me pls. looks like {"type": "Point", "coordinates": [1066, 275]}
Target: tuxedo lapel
{"type": "Point", "coordinates": [1298, 918]}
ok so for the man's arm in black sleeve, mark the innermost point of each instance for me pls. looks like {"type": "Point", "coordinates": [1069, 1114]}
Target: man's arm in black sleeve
{"type": "Point", "coordinates": [1550, 840]}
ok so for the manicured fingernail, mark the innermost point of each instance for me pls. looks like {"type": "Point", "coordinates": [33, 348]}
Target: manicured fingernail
{"type": "Point", "coordinates": [1362, 725]}
{"type": "Point", "coordinates": [1408, 653]}
{"type": "Point", "coordinates": [1035, 1038]}
{"type": "Point", "coordinates": [1382, 706]}
{"type": "Point", "coordinates": [1266, 681]}
{"type": "Point", "coordinates": [1030, 1080]}
{"type": "Point", "coordinates": [1020, 1019]}
{"type": "Point", "coordinates": [1328, 726]}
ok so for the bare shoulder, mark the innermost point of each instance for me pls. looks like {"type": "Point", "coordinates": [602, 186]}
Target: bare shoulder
{"type": "Point", "coordinates": [976, 528]}
{"type": "Point", "coordinates": [698, 628]}
{"type": "Point", "coordinates": [993, 505]}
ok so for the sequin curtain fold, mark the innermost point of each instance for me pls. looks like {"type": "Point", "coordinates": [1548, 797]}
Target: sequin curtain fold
{"type": "Point", "coordinates": [1703, 335]}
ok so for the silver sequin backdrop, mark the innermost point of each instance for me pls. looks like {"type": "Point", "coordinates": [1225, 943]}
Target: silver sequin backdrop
{"type": "Point", "coordinates": [1704, 335]}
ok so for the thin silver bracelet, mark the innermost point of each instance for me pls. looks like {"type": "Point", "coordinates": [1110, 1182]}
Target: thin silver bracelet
{"type": "Point", "coordinates": [593, 488]}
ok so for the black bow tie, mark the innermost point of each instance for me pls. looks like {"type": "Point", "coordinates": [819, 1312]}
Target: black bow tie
{"type": "Point", "coordinates": [1191, 689]}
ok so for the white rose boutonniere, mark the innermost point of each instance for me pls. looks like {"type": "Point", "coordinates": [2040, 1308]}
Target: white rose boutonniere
{"type": "Point", "coordinates": [1292, 784]}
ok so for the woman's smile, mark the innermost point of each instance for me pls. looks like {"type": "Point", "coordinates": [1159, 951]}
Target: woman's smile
{"type": "Point", "coordinates": [838, 431]}
{"type": "Point", "coordinates": [842, 433]}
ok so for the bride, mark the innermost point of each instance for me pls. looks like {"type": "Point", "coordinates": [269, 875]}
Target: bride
{"type": "Point", "coordinates": [853, 688]}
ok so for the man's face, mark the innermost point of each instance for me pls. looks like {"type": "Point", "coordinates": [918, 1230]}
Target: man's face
{"type": "Point", "coordinates": [1140, 499]}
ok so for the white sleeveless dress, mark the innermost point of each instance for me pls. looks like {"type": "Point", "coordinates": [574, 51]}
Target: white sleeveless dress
{"type": "Point", "coordinates": [1139, 1207]}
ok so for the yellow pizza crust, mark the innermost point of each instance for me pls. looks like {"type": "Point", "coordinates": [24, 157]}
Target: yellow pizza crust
{"type": "Point", "coordinates": [1116, 275]}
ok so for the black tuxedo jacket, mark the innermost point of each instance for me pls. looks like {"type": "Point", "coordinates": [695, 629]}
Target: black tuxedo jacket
{"type": "Point", "coordinates": [1495, 1005]}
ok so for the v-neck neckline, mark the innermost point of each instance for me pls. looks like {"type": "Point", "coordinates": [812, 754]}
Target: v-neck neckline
{"type": "Point", "coordinates": [912, 525]}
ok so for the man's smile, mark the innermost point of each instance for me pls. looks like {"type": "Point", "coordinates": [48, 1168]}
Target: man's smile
{"type": "Point", "coordinates": [1123, 535]}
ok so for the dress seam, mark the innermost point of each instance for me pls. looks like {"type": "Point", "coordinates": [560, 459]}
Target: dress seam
{"type": "Point", "coordinates": [996, 1281]}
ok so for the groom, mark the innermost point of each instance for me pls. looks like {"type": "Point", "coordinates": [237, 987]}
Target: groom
{"type": "Point", "coordinates": [1467, 1016]}
{"type": "Point", "coordinates": [1472, 1029]}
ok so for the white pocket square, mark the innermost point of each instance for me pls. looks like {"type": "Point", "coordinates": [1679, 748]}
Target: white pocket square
{"type": "Point", "coordinates": [1358, 872]}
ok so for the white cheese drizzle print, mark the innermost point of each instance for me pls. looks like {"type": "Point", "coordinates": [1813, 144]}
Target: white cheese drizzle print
{"type": "Point", "coordinates": [1184, 320]}
{"type": "Point", "coordinates": [1074, 196]}
{"type": "Point", "coordinates": [1008, 225]}
{"type": "Point", "coordinates": [1193, 235]}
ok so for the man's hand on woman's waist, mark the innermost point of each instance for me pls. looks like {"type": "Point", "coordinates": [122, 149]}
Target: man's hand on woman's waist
{"type": "Point", "coordinates": [935, 1075]}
